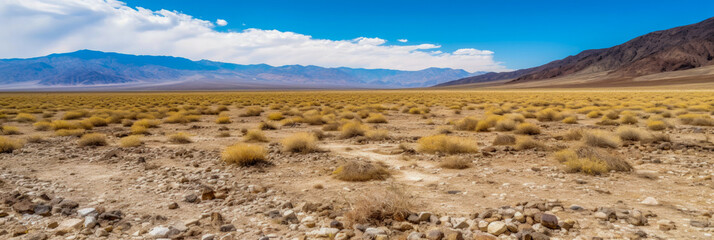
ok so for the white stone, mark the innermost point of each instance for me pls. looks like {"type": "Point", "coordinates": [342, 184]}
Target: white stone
{"type": "Point", "coordinates": [86, 211]}
{"type": "Point", "coordinates": [159, 232]}
{"type": "Point", "coordinates": [650, 201]}
{"type": "Point", "coordinates": [496, 228]}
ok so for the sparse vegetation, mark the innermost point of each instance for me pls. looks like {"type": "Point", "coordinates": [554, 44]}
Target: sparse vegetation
{"type": "Point", "coordinates": [93, 139]}
{"type": "Point", "coordinates": [130, 141]}
{"type": "Point", "coordinates": [447, 144]}
{"type": "Point", "coordinates": [7, 145]}
{"type": "Point", "coordinates": [455, 163]}
{"type": "Point", "coordinates": [352, 129]}
{"type": "Point", "coordinates": [504, 139]}
{"type": "Point", "coordinates": [300, 142]}
{"type": "Point", "coordinates": [356, 171]}
{"type": "Point", "coordinates": [527, 129]}
{"type": "Point", "coordinates": [180, 138]}
{"type": "Point", "coordinates": [597, 138]}
{"type": "Point", "coordinates": [244, 154]}
{"type": "Point", "coordinates": [255, 135]}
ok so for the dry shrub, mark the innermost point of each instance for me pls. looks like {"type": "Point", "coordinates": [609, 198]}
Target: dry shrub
{"type": "Point", "coordinates": [9, 130]}
{"type": "Point", "coordinates": [527, 129]}
{"type": "Point", "coordinates": [628, 119]}
{"type": "Point", "coordinates": [632, 134]}
{"type": "Point", "coordinates": [275, 116]}
{"type": "Point", "coordinates": [93, 139]}
{"type": "Point", "coordinates": [42, 126]}
{"type": "Point", "coordinates": [504, 139]}
{"type": "Point", "coordinates": [376, 135]}
{"type": "Point", "coordinates": [7, 145]}
{"type": "Point", "coordinates": [179, 118]}
{"type": "Point", "coordinates": [223, 120]}
{"type": "Point", "coordinates": [444, 130]}
{"type": "Point", "coordinates": [524, 143]}
{"type": "Point", "coordinates": [447, 144]}
{"type": "Point", "coordinates": [570, 120]}
{"type": "Point", "coordinates": [138, 129]}
{"type": "Point", "coordinates": [255, 135]}
{"type": "Point", "coordinates": [549, 115]}
{"type": "Point", "coordinates": [573, 135]}
{"type": "Point", "coordinates": [70, 132]}
{"type": "Point", "coordinates": [352, 129]}
{"type": "Point", "coordinates": [180, 138]}
{"type": "Point", "coordinates": [482, 126]}
{"type": "Point", "coordinates": [71, 115]}
{"type": "Point", "coordinates": [252, 111]}
{"type": "Point", "coordinates": [376, 118]}
{"type": "Point", "coordinates": [591, 160]}
{"type": "Point", "coordinates": [267, 126]}
{"type": "Point", "coordinates": [597, 138]}
{"type": "Point", "coordinates": [455, 163]}
{"type": "Point", "coordinates": [25, 117]}
{"type": "Point", "coordinates": [656, 125]}
{"type": "Point", "coordinates": [605, 121]}
{"type": "Point", "coordinates": [612, 115]}
{"type": "Point", "coordinates": [244, 154]}
{"type": "Point", "coordinates": [130, 141]}
{"type": "Point", "coordinates": [504, 125]}
{"type": "Point", "coordinates": [466, 124]}
{"type": "Point", "coordinates": [97, 121]}
{"type": "Point", "coordinates": [300, 142]}
{"type": "Point", "coordinates": [35, 139]}
{"type": "Point", "coordinates": [660, 137]}
{"type": "Point", "coordinates": [594, 114]}
{"type": "Point", "coordinates": [147, 123]}
{"type": "Point", "coordinates": [376, 206]}
{"type": "Point", "coordinates": [357, 171]}
{"type": "Point", "coordinates": [333, 126]}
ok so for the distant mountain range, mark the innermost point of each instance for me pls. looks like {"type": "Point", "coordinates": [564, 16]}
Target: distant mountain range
{"type": "Point", "coordinates": [676, 49]}
{"type": "Point", "coordinates": [94, 70]}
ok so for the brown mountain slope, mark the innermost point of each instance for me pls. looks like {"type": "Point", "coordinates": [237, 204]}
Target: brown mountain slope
{"type": "Point", "coordinates": [675, 49]}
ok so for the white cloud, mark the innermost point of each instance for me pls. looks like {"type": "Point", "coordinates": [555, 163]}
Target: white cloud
{"type": "Point", "coordinates": [402, 40]}
{"type": "Point", "coordinates": [33, 28]}
{"type": "Point", "coordinates": [221, 22]}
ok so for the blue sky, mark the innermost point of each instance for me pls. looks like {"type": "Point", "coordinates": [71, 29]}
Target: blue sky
{"type": "Point", "coordinates": [521, 33]}
{"type": "Point", "coordinates": [471, 35]}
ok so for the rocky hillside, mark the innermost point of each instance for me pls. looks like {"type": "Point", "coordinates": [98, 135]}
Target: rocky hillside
{"type": "Point", "coordinates": [674, 49]}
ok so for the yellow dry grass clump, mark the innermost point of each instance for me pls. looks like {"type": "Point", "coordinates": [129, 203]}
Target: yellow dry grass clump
{"type": "Point", "coordinates": [591, 160]}
{"type": "Point", "coordinates": [374, 207]}
{"type": "Point", "coordinates": [447, 144]}
{"type": "Point", "coordinates": [180, 138]}
{"type": "Point", "coordinates": [355, 171]}
{"type": "Point", "coordinates": [255, 135]}
{"type": "Point", "coordinates": [504, 139]}
{"type": "Point", "coordinates": [7, 145]}
{"type": "Point", "coordinates": [93, 139]}
{"type": "Point", "coordinates": [527, 129]}
{"type": "Point", "coordinates": [598, 138]}
{"type": "Point", "coordinates": [353, 129]}
{"type": "Point", "coordinates": [377, 134]}
{"type": "Point", "coordinates": [9, 130]}
{"type": "Point", "coordinates": [376, 118]}
{"type": "Point", "coordinates": [130, 141]}
{"type": "Point", "coordinates": [455, 163]}
{"type": "Point", "coordinates": [300, 142]}
{"type": "Point", "coordinates": [25, 117]}
{"type": "Point", "coordinates": [244, 154]}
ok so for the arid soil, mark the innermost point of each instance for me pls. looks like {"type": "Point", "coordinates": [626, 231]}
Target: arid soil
{"type": "Point", "coordinates": [56, 189]}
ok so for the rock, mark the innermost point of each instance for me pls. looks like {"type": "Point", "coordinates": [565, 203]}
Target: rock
{"type": "Point", "coordinates": [665, 225]}
{"type": "Point", "coordinates": [323, 232]}
{"type": "Point", "coordinates": [549, 221]}
{"type": "Point", "coordinates": [227, 228]}
{"type": "Point", "coordinates": [173, 205]}
{"type": "Point", "coordinates": [90, 222]}
{"type": "Point", "coordinates": [402, 226]}
{"type": "Point", "coordinates": [190, 198]}
{"type": "Point", "coordinates": [37, 236]}
{"type": "Point", "coordinates": [86, 211]}
{"type": "Point", "coordinates": [341, 236]}
{"type": "Point", "coordinates": [567, 224]}
{"type": "Point", "coordinates": [699, 222]}
{"type": "Point", "coordinates": [535, 236]}
{"type": "Point", "coordinates": [483, 236]}
{"type": "Point", "coordinates": [453, 235]}
{"type": "Point", "coordinates": [496, 228]}
{"type": "Point", "coordinates": [66, 203]}
{"type": "Point", "coordinates": [101, 233]}
{"type": "Point", "coordinates": [336, 224]}
{"type": "Point", "coordinates": [159, 232]}
{"type": "Point", "coordinates": [289, 215]}
{"type": "Point", "coordinates": [483, 226]}
{"type": "Point", "coordinates": [518, 216]}
{"type": "Point", "coordinates": [434, 234]}
{"type": "Point", "coordinates": [415, 236]}
{"type": "Point", "coordinates": [650, 201]}
{"type": "Point", "coordinates": [460, 223]}
{"type": "Point", "coordinates": [637, 218]}
{"type": "Point", "coordinates": [43, 210]}
{"type": "Point", "coordinates": [69, 225]}
{"type": "Point", "coordinates": [24, 207]}
{"type": "Point", "coordinates": [208, 237]}
{"type": "Point", "coordinates": [207, 193]}
{"type": "Point", "coordinates": [19, 230]}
